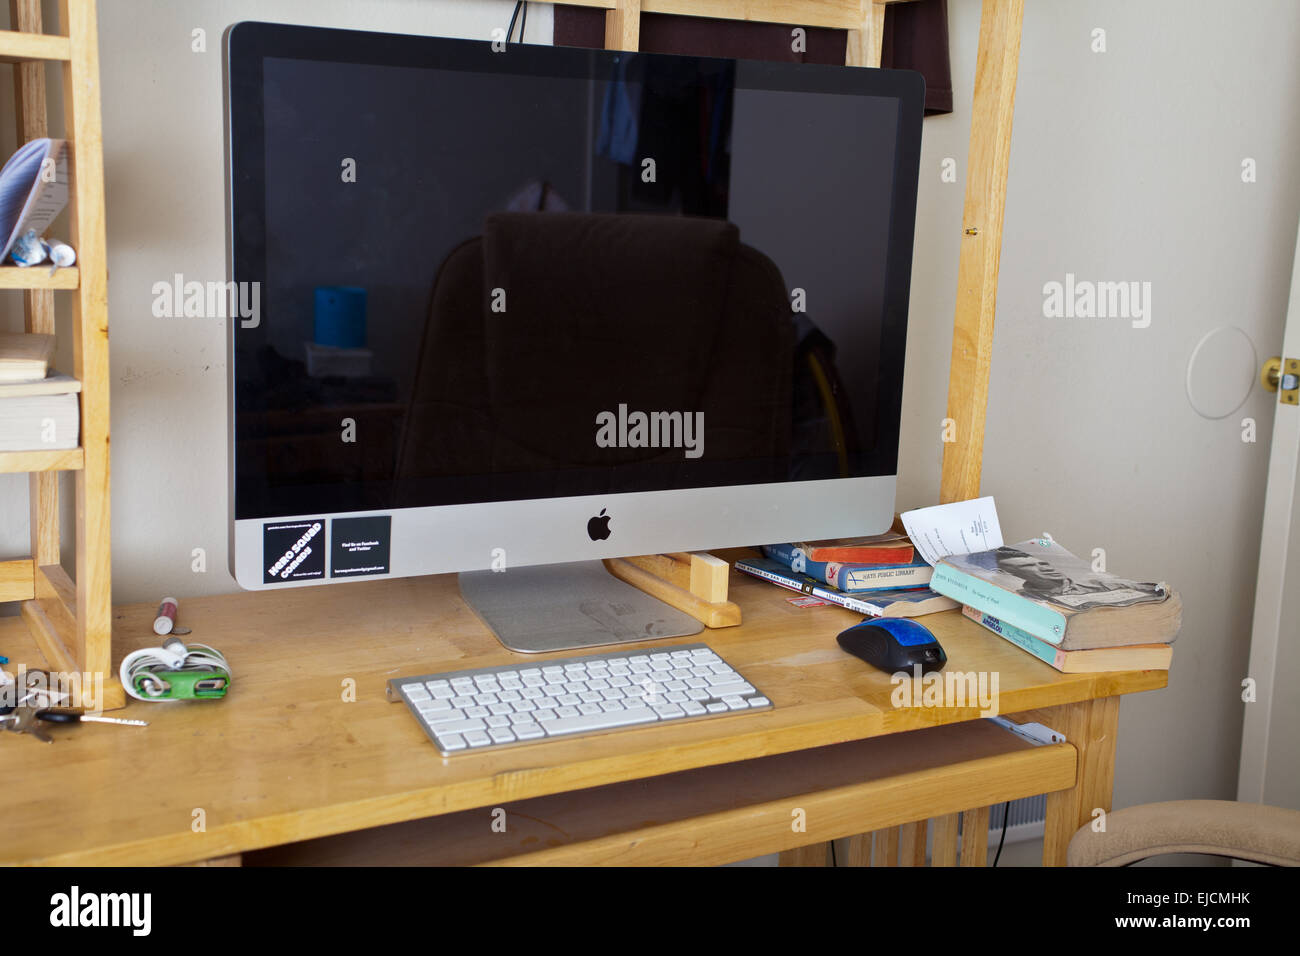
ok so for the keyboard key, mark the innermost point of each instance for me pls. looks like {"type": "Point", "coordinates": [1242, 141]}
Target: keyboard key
{"type": "Point", "coordinates": [716, 707]}
{"type": "Point", "coordinates": [451, 742]}
{"type": "Point", "coordinates": [476, 738]}
{"type": "Point", "coordinates": [416, 692]}
{"type": "Point", "coordinates": [668, 711]}
{"type": "Point", "coordinates": [459, 727]}
{"type": "Point", "coordinates": [443, 717]}
{"type": "Point", "coordinates": [500, 735]}
{"type": "Point", "coordinates": [588, 709]}
{"type": "Point", "coordinates": [759, 702]}
{"type": "Point", "coordinates": [730, 690]}
{"type": "Point", "coordinates": [693, 708]}
{"type": "Point", "coordinates": [497, 720]}
{"type": "Point", "coordinates": [476, 711]}
{"type": "Point", "coordinates": [598, 721]}
{"type": "Point", "coordinates": [735, 703]}
{"type": "Point", "coordinates": [528, 731]}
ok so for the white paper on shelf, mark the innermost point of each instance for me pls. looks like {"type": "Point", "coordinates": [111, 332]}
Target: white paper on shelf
{"type": "Point", "coordinates": [28, 200]}
{"type": "Point", "coordinates": [962, 527]}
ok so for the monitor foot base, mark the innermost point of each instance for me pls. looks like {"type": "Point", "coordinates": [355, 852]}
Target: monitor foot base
{"type": "Point", "coordinates": [560, 607]}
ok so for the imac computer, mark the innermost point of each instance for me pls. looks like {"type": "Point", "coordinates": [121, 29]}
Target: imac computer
{"type": "Point", "coordinates": [508, 310]}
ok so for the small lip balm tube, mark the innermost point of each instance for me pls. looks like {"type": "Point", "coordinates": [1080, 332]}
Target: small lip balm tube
{"type": "Point", "coordinates": [61, 255]}
{"type": "Point", "coordinates": [166, 618]}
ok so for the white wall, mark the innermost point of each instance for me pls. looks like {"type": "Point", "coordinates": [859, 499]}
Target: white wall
{"type": "Point", "coordinates": [1125, 165]}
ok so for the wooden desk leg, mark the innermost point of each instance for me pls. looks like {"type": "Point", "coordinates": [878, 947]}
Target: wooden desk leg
{"type": "Point", "coordinates": [815, 854]}
{"type": "Point", "coordinates": [236, 859]}
{"type": "Point", "coordinates": [1092, 726]}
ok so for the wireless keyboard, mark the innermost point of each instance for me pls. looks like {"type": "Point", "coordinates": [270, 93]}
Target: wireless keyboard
{"type": "Point", "coordinates": [493, 707]}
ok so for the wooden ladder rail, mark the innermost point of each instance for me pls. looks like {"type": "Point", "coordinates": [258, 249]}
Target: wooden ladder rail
{"type": "Point", "coordinates": [71, 621]}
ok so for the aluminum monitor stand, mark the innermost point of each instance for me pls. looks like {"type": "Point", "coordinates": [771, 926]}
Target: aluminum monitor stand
{"type": "Point", "coordinates": [560, 607]}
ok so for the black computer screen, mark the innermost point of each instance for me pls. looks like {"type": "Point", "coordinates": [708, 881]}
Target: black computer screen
{"type": "Point", "coordinates": [484, 275]}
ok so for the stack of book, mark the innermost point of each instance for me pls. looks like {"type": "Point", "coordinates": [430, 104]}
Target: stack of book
{"type": "Point", "coordinates": [1061, 609]}
{"type": "Point", "coordinates": [878, 575]}
{"type": "Point", "coordinates": [38, 411]}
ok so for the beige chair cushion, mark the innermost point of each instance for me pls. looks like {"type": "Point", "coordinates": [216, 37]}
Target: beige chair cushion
{"type": "Point", "coordinates": [1243, 831]}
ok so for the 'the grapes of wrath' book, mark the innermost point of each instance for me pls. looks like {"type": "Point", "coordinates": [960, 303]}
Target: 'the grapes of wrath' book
{"type": "Point", "coordinates": [1135, 657]}
{"type": "Point", "coordinates": [1044, 590]}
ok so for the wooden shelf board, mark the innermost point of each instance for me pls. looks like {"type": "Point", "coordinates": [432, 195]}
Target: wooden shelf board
{"type": "Point", "coordinates": [67, 459]}
{"type": "Point", "coordinates": [38, 277]}
{"type": "Point", "coordinates": [19, 47]}
{"type": "Point", "coordinates": [838, 14]}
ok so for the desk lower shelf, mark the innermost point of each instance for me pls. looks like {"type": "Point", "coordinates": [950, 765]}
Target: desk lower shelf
{"type": "Point", "coordinates": [718, 815]}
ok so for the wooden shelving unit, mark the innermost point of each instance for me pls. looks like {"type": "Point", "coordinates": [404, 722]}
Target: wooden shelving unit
{"type": "Point", "coordinates": [70, 619]}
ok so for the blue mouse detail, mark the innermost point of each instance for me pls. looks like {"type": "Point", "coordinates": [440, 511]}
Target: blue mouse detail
{"type": "Point", "coordinates": [894, 644]}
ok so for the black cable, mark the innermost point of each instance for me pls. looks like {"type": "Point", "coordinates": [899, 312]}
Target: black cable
{"type": "Point", "coordinates": [1006, 812]}
{"type": "Point", "coordinates": [523, 24]}
{"type": "Point", "coordinates": [511, 29]}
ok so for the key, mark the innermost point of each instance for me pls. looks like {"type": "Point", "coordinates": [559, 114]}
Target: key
{"type": "Point", "coordinates": [23, 721]}
{"type": "Point", "coordinates": [598, 721]}
{"type": "Point", "coordinates": [76, 717]}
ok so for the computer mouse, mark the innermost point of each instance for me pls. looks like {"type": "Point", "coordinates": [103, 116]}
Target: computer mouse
{"type": "Point", "coordinates": [894, 644]}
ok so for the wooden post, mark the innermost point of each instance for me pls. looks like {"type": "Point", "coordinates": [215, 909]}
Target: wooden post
{"type": "Point", "coordinates": [981, 245]}
{"type": "Point", "coordinates": [29, 103]}
{"type": "Point", "coordinates": [1091, 726]}
{"type": "Point", "coordinates": [975, 837]}
{"type": "Point", "coordinates": [623, 25]}
{"type": "Point", "coordinates": [864, 43]}
{"type": "Point", "coordinates": [92, 644]}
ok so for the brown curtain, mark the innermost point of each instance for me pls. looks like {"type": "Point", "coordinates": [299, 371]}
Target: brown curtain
{"type": "Point", "coordinates": [916, 38]}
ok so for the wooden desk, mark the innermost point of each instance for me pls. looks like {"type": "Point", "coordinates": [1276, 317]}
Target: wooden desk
{"type": "Point", "coordinates": [288, 757]}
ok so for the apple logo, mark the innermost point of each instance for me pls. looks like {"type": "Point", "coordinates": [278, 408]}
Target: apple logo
{"type": "Point", "coordinates": [598, 527]}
